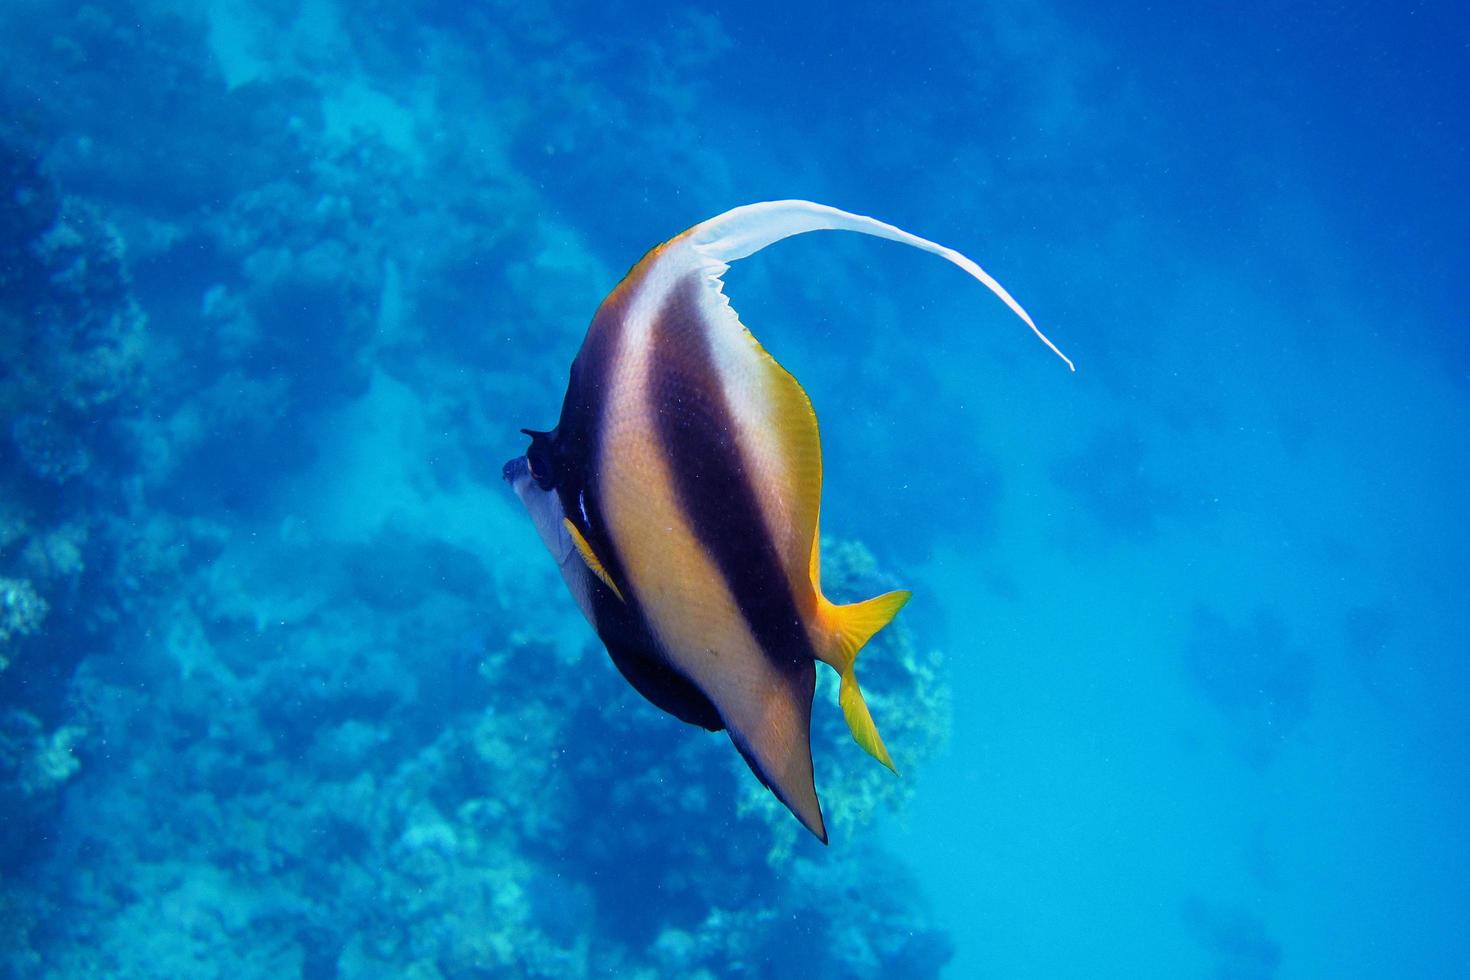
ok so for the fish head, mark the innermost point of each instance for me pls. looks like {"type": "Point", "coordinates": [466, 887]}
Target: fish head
{"type": "Point", "coordinates": [533, 478]}
{"type": "Point", "coordinates": [541, 458]}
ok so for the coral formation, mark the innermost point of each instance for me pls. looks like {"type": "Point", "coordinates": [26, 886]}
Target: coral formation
{"type": "Point", "coordinates": [71, 356]}
{"type": "Point", "coordinates": [70, 329]}
{"type": "Point", "coordinates": [21, 612]}
{"type": "Point", "coordinates": [281, 698]}
{"type": "Point", "coordinates": [302, 786]}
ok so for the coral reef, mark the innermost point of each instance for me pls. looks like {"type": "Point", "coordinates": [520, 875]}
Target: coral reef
{"type": "Point", "coordinates": [71, 356]}
{"type": "Point", "coordinates": [21, 613]}
{"type": "Point", "coordinates": [303, 786]}
{"type": "Point", "coordinates": [70, 329]}
{"type": "Point", "coordinates": [280, 698]}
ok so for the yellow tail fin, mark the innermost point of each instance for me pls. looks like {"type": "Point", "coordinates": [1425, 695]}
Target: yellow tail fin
{"type": "Point", "coordinates": [856, 624]}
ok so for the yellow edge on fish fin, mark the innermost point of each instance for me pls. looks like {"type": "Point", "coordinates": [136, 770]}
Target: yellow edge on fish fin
{"type": "Point", "coordinates": [814, 564]}
{"type": "Point", "coordinates": [855, 626]}
{"type": "Point", "coordinates": [793, 425]}
{"type": "Point", "coordinates": [590, 557]}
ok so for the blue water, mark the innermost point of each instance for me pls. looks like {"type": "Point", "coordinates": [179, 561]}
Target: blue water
{"type": "Point", "coordinates": [288, 687]}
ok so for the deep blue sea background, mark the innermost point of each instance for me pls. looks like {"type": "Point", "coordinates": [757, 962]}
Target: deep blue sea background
{"type": "Point", "coordinates": [288, 687]}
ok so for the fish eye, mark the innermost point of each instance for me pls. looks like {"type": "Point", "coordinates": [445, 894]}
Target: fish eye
{"type": "Point", "coordinates": [539, 459]}
{"type": "Point", "coordinates": [540, 467]}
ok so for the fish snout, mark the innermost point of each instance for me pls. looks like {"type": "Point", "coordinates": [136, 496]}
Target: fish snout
{"type": "Point", "coordinates": [516, 470]}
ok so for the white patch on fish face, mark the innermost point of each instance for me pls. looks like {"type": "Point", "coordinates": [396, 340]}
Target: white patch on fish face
{"type": "Point", "coordinates": [544, 506]}
{"type": "Point", "coordinates": [545, 509]}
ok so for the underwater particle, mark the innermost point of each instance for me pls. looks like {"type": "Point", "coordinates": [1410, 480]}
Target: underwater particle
{"type": "Point", "coordinates": [565, 906]}
{"type": "Point", "coordinates": [1237, 940]}
{"type": "Point", "coordinates": [48, 450]}
{"type": "Point", "coordinates": [26, 211]}
{"type": "Point", "coordinates": [679, 494]}
{"type": "Point", "coordinates": [1253, 676]}
{"type": "Point", "coordinates": [1369, 632]}
{"type": "Point", "coordinates": [1111, 479]}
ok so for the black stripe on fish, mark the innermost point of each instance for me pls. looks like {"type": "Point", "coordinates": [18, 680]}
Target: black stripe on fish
{"type": "Point", "coordinates": [578, 436]}
{"type": "Point", "coordinates": [697, 430]}
{"type": "Point", "coordinates": [700, 441]}
{"type": "Point", "coordinates": [634, 653]}
{"type": "Point", "coordinates": [575, 447]}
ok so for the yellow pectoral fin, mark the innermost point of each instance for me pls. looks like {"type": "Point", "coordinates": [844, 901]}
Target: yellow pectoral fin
{"type": "Point", "coordinates": [590, 557]}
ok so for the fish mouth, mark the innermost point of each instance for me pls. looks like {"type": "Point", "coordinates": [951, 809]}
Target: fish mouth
{"type": "Point", "coordinates": [516, 470]}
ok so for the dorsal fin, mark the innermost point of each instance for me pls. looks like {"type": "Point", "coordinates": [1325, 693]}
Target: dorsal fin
{"type": "Point", "coordinates": [746, 230]}
{"type": "Point", "coordinates": [794, 426]}
{"type": "Point", "coordinates": [742, 232]}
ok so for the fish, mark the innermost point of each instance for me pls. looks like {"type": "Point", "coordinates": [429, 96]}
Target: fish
{"type": "Point", "coordinates": [679, 494]}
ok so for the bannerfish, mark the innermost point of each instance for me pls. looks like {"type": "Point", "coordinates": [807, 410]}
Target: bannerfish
{"type": "Point", "coordinates": [679, 494]}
